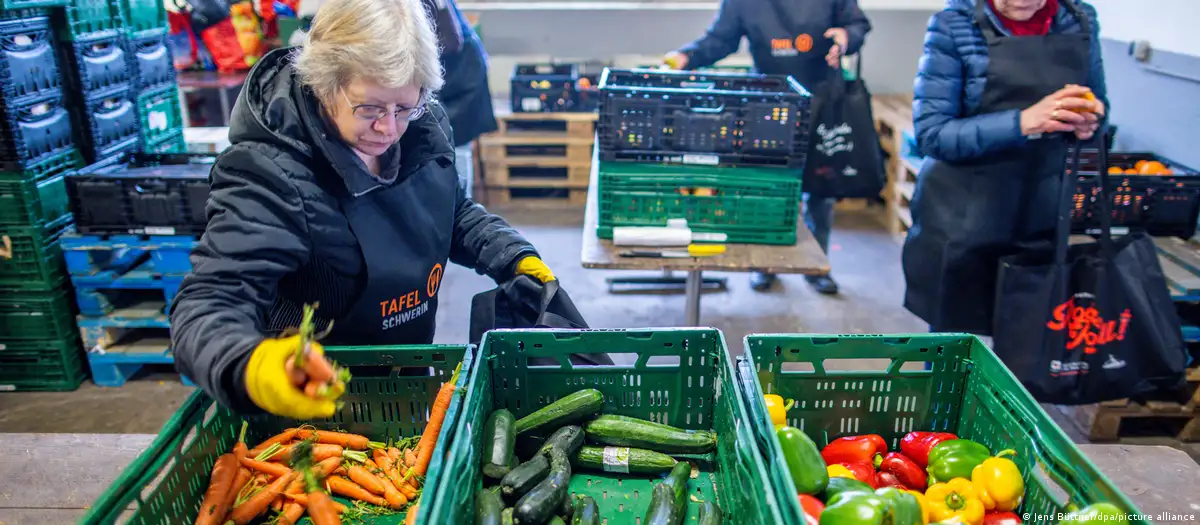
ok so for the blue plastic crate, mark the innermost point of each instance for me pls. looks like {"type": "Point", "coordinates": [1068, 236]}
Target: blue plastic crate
{"type": "Point", "coordinates": [91, 255]}
{"type": "Point", "coordinates": [28, 65]}
{"type": "Point", "coordinates": [97, 63]}
{"type": "Point", "coordinates": [35, 131]}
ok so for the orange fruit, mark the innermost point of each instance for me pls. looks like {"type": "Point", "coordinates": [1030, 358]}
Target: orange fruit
{"type": "Point", "coordinates": [1167, 171]}
{"type": "Point", "coordinates": [1131, 171]}
{"type": "Point", "coordinates": [1139, 164]}
{"type": "Point", "coordinates": [1115, 170]}
{"type": "Point", "coordinates": [1153, 167]}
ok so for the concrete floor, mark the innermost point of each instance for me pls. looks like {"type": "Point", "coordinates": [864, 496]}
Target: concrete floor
{"type": "Point", "coordinates": [864, 257]}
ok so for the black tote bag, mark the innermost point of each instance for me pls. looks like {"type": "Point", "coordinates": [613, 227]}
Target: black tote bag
{"type": "Point", "coordinates": [1090, 322]}
{"type": "Point", "coordinates": [525, 302]}
{"type": "Point", "coordinates": [844, 160]}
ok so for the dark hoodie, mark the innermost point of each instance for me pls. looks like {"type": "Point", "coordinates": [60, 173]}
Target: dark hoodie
{"type": "Point", "coordinates": [277, 238]}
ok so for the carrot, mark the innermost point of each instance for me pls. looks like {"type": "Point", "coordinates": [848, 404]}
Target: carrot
{"type": "Point", "coordinates": [258, 503]}
{"type": "Point", "coordinates": [349, 441]}
{"type": "Point", "coordinates": [437, 416]}
{"type": "Point", "coordinates": [365, 479]}
{"type": "Point", "coordinates": [394, 497]}
{"type": "Point", "coordinates": [292, 512]}
{"type": "Point", "coordinates": [352, 490]}
{"type": "Point", "coordinates": [239, 449]}
{"type": "Point", "coordinates": [320, 452]}
{"type": "Point", "coordinates": [303, 500]}
{"type": "Point", "coordinates": [408, 491]}
{"type": "Point", "coordinates": [382, 460]}
{"type": "Point", "coordinates": [295, 374]}
{"type": "Point", "coordinates": [318, 368]}
{"type": "Point", "coordinates": [322, 470]}
{"type": "Point", "coordinates": [277, 505]}
{"type": "Point", "coordinates": [280, 438]}
{"type": "Point", "coordinates": [239, 482]}
{"type": "Point", "coordinates": [394, 453]}
{"type": "Point", "coordinates": [410, 457]}
{"type": "Point", "coordinates": [321, 509]}
{"type": "Point", "coordinates": [212, 507]}
{"type": "Point", "coordinates": [411, 518]}
{"type": "Point", "coordinates": [273, 469]}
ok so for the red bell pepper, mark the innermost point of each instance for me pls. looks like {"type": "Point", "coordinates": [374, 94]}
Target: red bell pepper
{"type": "Point", "coordinates": [867, 449]}
{"type": "Point", "coordinates": [916, 445]}
{"type": "Point", "coordinates": [888, 479]}
{"type": "Point", "coordinates": [904, 469]}
{"type": "Point", "coordinates": [1001, 518]}
{"type": "Point", "coordinates": [812, 508]}
{"type": "Point", "coordinates": [863, 471]}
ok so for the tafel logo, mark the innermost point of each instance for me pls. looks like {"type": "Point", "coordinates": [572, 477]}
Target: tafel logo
{"type": "Point", "coordinates": [1085, 326]}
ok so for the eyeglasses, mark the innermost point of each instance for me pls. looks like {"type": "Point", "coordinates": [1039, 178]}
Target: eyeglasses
{"type": "Point", "coordinates": [372, 112]}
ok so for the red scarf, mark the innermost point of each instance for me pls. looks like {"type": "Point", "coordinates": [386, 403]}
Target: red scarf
{"type": "Point", "coordinates": [1038, 25]}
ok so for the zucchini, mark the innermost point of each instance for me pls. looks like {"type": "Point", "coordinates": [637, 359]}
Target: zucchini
{"type": "Point", "coordinates": [506, 517]}
{"type": "Point", "coordinates": [487, 507]}
{"type": "Point", "coordinates": [556, 521]}
{"type": "Point", "coordinates": [568, 409]}
{"type": "Point", "coordinates": [623, 460]}
{"type": "Point", "coordinates": [668, 501]}
{"type": "Point", "coordinates": [568, 439]}
{"type": "Point", "coordinates": [632, 432]}
{"type": "Point", "coordinates": [568, 508]}
{"type": "Point", "coordinates": [546, 499]}
{"type": "Point", "coordinates": [710, 514]}
{"type": "Point", "coordinates": [499, 438]}
{"type": "Point", "coordinates": [586, 512]}
{"type": "Point", "coordinates": [520, 480]}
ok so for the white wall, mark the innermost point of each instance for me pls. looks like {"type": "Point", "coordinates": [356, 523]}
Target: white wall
{"type": "Point", "coordinates": [1169, 25]}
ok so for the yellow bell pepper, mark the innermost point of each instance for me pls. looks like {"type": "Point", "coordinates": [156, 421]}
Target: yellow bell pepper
{"type": "Point", "coordinates": [924, 505]}
{"type": "Point", "coordinates": [998, 482]}
{"type": "Point", "coordinates": [956, 498]}
{"type": "Point", "coordinates": [777, 409]}
{"type": "Point", "coordinates": [838, 471]}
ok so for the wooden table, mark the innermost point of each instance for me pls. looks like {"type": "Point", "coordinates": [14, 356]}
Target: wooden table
{"type": "Point", "coordinates": [51, 479]}
{"type": "Point", "coordinates": [804, 257]}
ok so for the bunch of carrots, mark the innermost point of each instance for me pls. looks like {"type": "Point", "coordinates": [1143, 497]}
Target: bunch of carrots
{"type": "Point", "coordinates": [316, 376]}
{"type": "Point", "coordinates": [298, 470]}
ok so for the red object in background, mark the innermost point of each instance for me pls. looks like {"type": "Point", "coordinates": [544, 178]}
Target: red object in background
{"type": "Point", "coordinates": [1001, 518]}
{"type": "Point", "coordinates": [863, 471]}
{"type": "Point", "coordinates": [181, 32]}
{"type": "Point", "coordinates": [266, 10]}
{"type": "Point", "coordinates": [905, 470]}
{"type": "Point", "coordinates": [222, 43]}
{"type": "Point", "coordinates": [812, 508]}
{"type": "Point", "coordinates": [851, 449]}
{"type": "Point", "coordinates": [916, 445]}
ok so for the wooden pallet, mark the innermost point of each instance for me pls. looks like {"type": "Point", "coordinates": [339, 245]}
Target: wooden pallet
{"type": "Point", "coordinates": [537, 197]}
{"type": "Point", "coordinates": [538, 159]}
{"type": "Point", "coordinates": [577, 125]}
{"type": "Point", "coordinates": [893, 118]}
{"type": "Point", "coordinates": [1112, 420]}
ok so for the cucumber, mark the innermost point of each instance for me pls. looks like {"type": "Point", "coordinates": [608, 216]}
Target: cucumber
{"type": "Point", "coordinates": [668, 501]}
{"type": "Point", "coordinates": [556, 521]}
{"type": "Point", "coordinates": [568, 508]}
{"type": "Point", "coordinates": [506, 517]}
{"type": "Point", "coordinates": [632, 432]}
{"type": "Point", "coordinates": [710, 514]}
{"type": "Point", "coordinates": [520, 480]}
{"type": "Point", "coordinates": [568, 439]}
{"type": "Point", "coordinates": [544, 500]}
{"type": "Point", "coordinates": [569, 409]}
{"type": "Point", "coordinates": [586, 512]}
{"type": "Point", "coordinates": [487, 507]}
{"type": "Point", "coordinates": [623, 460]}
{"type": "Point", "coordinates": [499, 438]}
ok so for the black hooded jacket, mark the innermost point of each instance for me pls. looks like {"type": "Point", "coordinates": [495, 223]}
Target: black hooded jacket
{"type": "Point", "coordinates": [277, 238]}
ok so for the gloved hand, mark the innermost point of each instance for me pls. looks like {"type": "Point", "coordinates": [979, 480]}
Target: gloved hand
{"type": "Point", "coordinates": [270, 387]}
{"type": "Point", "coordinates": [534, 267]}
{"type": "Point", "coordinates": [675, 60]}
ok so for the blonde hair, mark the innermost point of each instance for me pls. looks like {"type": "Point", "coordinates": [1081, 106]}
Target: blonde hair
{"type": "Point", "coordinates": [390, 42]}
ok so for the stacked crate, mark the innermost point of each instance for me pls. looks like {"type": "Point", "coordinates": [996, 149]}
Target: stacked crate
{"type": "Point", "coordinates": [725, 151]}
{"type": "Point", "coordinates": [158, 99]}
{"type": "Point", "coordinates": [39, 345]}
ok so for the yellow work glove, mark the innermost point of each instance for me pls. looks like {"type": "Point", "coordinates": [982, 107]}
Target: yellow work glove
{"type": "Point", "coordinates": [270, 388]}
{"type": "Point", "coordinates": [675, 60]}
{"type": "Point", "coordinates": [534, 267]}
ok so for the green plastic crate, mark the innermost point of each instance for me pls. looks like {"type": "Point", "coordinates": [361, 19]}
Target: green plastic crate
{"type": "Point", "coordinates": [38, 198]}
{"type": "Point", "coordinates": [144, 16]}
{"type": "Point", "coordinates": [37, 316]}
{"type": "Point", "coordinates": [173, 143]}
{"type": "Point", "coordinates": [750, 205]}
{"type": "Point", "coordinates": [160, 115]}
{"type": "Point", "coordinates": [37, 262]}
{"type": "Point", "coordinates": [680, 377]}
{"type": "Point", "coordinates": [11, 5]}
{"type": "Point", "coordinates": [47, 365]}
{"type": "Point", "coordinates": [968, 392]}
{"type": "Point", "coordinates": [83, 19]}
{"type": "Point", "coordinates": [388, 398]}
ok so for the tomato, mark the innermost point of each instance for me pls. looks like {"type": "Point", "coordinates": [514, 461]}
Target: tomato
{"type": "Point", "coordinates": [812, 509]}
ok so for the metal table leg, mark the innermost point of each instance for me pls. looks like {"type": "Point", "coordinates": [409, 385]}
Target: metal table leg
{"type": "Point", "coordinates": [694, 283]}
{"type": "Point", "coordinates": [226, 107]}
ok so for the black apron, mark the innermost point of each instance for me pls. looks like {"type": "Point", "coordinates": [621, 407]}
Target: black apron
{"type": "Point", "coordinates": [798, 51]}
{"type": "Point", "coordinates": [404, 264]}
{"type": "Point", "coordinates": [968, 215]}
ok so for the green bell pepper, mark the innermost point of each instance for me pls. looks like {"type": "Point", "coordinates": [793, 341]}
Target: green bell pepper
{"type": "Point", "coordinates": [837, 485]}
{"type": "Point", "coordinates": [888, 505]}
{"type": "Point", "coordinates": [1097, 514]}
{"type": "Point", "coordinates": [955, 458]}
{"type": "Point", "coordinates": [803, 460]}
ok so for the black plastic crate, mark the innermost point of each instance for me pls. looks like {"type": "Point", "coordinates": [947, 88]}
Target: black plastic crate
{"type": "Point", "coordinates": [587, 93]}
{"type": "Point", "coordinates": [1160, 205]}
{"type": "Point", "coordinates": [683, 117]}
{"type": "Point", "coordinates": [142, 193]}
{"type": "Point", "coordinates": [28, 65]}
{"type": "Point", "coordinates": [109, 123]}
{"type": "Point", "coordinates": [34, 131]}
{"type": "Point", "coordinates": [539, 88]}
{"type": "Point", "coordinates": [150, 61]}
{"type": "Point", "coordinates": [97, 63]}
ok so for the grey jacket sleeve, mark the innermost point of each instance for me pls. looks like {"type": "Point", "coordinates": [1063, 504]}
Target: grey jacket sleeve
{"type": "Point", "coordinates": [256, 234]}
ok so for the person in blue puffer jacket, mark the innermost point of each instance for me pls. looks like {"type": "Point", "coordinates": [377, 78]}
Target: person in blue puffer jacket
{"type": "Point", "coordinates": [1003, 88]}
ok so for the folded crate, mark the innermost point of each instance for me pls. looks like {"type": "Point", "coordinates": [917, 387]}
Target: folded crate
{"type": "Point", "coordinates": [37, 316]}
{"type": "Point", "coordinates": [159, 115]}
{"type": "Point", "coordinates": [96, 63]}
{"type": "Point", "coordinates": [1163, 202]}
{"type": "Point", "coordinates": [387, 398]}
{"type": "Point", "coordinates": [108, 122]}
{"type": "Point", "coordinates": [151, 61]}
{"type": "Point", "coordinates": [543, 87]}
{"type": "Point", "coordinates": [56, 365]}
{"type": "Point", "coordinates": [683, 378]}
{"type": "Point", "coordinates": [86, 19]}
{"type": "Point", "coordinates": [37, 196]}
{"type": "Point", "coordinates": [142, 193]}
{"type": "Point", "coordinates": [35, 260]}
{"type": "Point", "coordinates": [34, 131]}
{"type": "Point", "coordinates": [28, 65]}
{"type": "Point", "coordinates": [855, 385]}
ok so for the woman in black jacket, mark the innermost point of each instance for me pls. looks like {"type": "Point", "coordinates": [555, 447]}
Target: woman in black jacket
{"type": "Point", "coordinates": [339, 189]}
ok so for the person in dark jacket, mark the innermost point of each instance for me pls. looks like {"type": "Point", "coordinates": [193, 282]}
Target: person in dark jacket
{"type": "Point", "coordinates": [1003, 86]}
{"type": "Point", "coordinates": [465, 95]}
{"type": "Point", "coordinates": [339, 189]}
{"type": "Point", "coordinates": [803, 39]}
